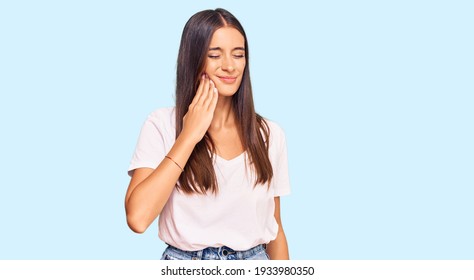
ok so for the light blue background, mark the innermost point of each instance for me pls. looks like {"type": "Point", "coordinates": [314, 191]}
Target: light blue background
{"type": "Point", "coordinates": [376, 98]}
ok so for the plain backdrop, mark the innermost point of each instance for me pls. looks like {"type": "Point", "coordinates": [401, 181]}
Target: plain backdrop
{"type": "Point", "coordinates": [375, 97]}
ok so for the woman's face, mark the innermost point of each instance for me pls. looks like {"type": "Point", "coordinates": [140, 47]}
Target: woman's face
{"type": "Point", "coordinates": [225, 61]}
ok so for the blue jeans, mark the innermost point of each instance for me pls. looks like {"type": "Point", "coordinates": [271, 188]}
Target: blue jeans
{"type": "Point", "coordinates": [215, 253]}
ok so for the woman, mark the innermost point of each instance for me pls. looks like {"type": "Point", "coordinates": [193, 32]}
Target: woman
{"type": "Point", "coordinates": [211, 168]}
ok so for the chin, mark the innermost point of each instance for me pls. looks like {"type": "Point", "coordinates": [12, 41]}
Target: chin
{"type": "Point", "coordinates": [227, 91]}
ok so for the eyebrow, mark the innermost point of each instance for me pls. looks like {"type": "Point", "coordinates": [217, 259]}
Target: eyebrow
{"type": "Point", "coordinates": [234, 49]}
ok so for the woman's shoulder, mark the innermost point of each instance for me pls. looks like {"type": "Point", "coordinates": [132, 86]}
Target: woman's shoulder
{"type": "Point", "coordinates": [274, 128]}
{"type": "Point", "coordinates": [162, 119]}
{"type": "Point", "coordinates": [162, 113]}
{"type": "Point", "coordinates": [276, 134]}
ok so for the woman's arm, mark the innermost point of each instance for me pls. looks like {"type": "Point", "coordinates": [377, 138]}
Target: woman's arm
{"type": "Point", "coordinates": [149, 189]}
{"type": "Point", "coordinates": [278, 248]}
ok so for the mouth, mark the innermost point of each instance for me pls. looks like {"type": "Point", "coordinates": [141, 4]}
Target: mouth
{"type": "Point", "coordinates": [227, 79]}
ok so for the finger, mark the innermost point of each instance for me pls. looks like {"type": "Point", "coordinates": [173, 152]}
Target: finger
{"type": "Point", "coordinates": [212, 96]}
{"type": "Point", "coordinates": [210, 93]}
{"type": "Point", "coordinates": [213, 103]}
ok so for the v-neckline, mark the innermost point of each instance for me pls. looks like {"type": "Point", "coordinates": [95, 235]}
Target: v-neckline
{"type": "Point", "coordinates": [236, 158]}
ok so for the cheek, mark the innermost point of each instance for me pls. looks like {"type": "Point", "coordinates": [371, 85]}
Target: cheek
{"type": "Point", "coordinates": [210, 66]}
{"type": "Point", "coordinates": [242, 66]}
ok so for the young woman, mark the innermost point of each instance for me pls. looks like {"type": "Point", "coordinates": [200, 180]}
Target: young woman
{"type": "Point", "coordinates": [211, 168]}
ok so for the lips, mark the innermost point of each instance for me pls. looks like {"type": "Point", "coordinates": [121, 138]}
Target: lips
{"type": "Point", "coordinates": [227, 79]}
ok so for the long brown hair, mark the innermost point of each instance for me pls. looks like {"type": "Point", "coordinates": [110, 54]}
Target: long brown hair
{"type": "Point", "coordinates": [199, 175]}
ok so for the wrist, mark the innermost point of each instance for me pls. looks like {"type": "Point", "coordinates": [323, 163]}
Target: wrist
{"type": "Point", "coordinates": [188, 139]}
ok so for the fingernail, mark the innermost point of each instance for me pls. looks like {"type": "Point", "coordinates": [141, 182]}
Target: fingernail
{"type": "Point", "coordinates": [215, 90]}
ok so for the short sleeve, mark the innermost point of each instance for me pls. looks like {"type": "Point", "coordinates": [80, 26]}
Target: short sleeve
{"type": "Point", "coordinates": [279, 158]}
{"type": "Point", "coordinates": [150, 148]}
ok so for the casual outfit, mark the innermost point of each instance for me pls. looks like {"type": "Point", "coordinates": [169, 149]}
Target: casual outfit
{"type": "Point", "coordinates": [238, 219]}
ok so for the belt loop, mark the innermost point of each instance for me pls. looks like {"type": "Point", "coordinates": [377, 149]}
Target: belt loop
{"type": "Point", "coordinates": [199, 254]}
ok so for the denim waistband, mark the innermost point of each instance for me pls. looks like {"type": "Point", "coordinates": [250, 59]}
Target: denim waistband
{"type": "Point", "coordinates": [215, 253]}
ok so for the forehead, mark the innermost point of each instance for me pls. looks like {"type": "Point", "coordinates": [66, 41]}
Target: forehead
{"type": "Point", "coordinates": [227, 37]}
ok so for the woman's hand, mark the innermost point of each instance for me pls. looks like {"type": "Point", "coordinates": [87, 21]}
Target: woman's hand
{"type": "Point", "coordinates": [197, 120]}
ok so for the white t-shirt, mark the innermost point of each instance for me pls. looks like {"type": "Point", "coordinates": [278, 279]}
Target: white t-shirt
{"type": "Point", "coordinates": [240, 216]}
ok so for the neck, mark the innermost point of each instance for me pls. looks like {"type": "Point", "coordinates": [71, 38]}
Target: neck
{"type": "Point", "coordinates": [223, 114]}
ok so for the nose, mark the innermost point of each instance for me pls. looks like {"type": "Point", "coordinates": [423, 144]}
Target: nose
{"type": "Point", "coordinates": [227, 64]}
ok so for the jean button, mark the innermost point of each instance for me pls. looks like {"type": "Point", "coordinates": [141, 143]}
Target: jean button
{"type": "Point", "coordinates": [225, 252]}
